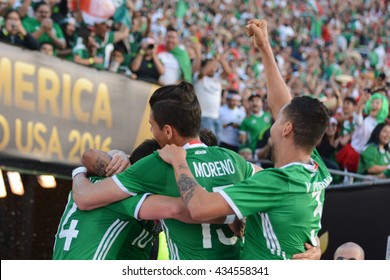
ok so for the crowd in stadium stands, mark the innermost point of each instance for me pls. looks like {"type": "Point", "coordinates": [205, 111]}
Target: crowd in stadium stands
{"type": "Point", "coordinates": [337, 51]}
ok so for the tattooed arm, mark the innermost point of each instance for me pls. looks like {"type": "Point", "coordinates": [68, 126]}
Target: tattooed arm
{"type": "Point", "coordinates": [203, 205]}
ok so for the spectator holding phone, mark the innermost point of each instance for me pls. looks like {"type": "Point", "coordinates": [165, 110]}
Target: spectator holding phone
{"type": "Point", "coordinates": [146, 64]}
{"type": "Point", "coordinates": [14, 32]}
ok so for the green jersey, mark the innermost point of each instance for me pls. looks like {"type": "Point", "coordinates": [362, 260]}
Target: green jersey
{"type": "Point", "coordinates": [255, 126]}
{"type": "Point", "coordinates": [283, 207]}
{"type": "Point", "coordinates": [371, 156]}
{"type": "Point", "coordinates": [32, 25]}
{"type": "Point", "coordinates": [105, 233]}
{"type": "Point", "coordinates": [214, 168]}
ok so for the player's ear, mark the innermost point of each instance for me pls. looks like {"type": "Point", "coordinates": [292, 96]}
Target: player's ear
{"type": "Point", "coordinates": [287, 128]}
{"type": "Point", "coordinates": [168, 130]}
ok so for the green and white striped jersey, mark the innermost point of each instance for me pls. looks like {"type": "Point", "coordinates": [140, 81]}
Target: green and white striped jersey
{"type": "Point", "coordinates": [105, 233]}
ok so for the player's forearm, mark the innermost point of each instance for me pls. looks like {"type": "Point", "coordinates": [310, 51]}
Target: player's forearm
{"type": "Point", "coordinates": [81, 192]}
{"type": "Point", "coordinates": [278, 93]}
{"type": "Point", "coordinates": [200, 203]}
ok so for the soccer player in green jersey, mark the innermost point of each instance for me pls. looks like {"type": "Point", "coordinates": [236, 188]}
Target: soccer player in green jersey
{"type": "Point", "coordinates": [282, 205]}
{"type": "Point", "coordinates": [109, 232]}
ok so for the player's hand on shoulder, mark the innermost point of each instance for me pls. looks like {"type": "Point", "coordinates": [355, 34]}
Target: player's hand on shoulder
{"type": "Point", "coordinates": [172, 154]}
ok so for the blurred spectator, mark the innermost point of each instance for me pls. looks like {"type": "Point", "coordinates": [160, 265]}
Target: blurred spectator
{"type": "Point", "coordinates": [146, 65]}
{"type": "Point", "coordinates": [349, 251]}
{"type": "Point", "coordinates": [13, 32]}
{"type": "Point", "coordinates": [208, 88]}
{"type": "Point", "coordinates": [46, 48]}
{"type": "Point", "coordinates": [230, 118]}
{"type": "Point", "coordinates": [119, 61]}
{"type": "Point", "coordinates": [378, 108]}
{"type": "Point", "coordinates": [21, 6]}
{"type": "Point", "coordinates": [329, 143]}
{"type": "Point", "coordinates": [85, 51]}
{"type": "Point", "coordinates": [42, 27]}
{"type": "Point", "coordinates": [176, 60]}
{"type": "Point", "coordinates": [69, 28]}
{"type": "Point", "coordinates": [375, 158]}
{"type": "Point", "coordinates": [254, 126]}
{"type": "Point", "coordinates": [344, 118]}
{"type": "Point", "coordinates": [105, 39]}
{"type": "Point", "coordinates": [264, 150]}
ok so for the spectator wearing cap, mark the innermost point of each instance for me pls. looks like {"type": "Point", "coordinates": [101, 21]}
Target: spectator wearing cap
{"type": "Point", "coordinates": [146, 65]}
{"type": "Point", "coordinates": [231, 116]}
{"type": "Point", "coordinates": [42, 27]}
{"type": "Point", "coordinates": [208, 89]}
{"type": "Point", "coordinates": [175, 59]}
{"type": "Point", "coordinates": [14, 32]}
{"type": "Point", "coordinates": [375, 158]}
{"type": "Point", "coordinates": [254, 126]}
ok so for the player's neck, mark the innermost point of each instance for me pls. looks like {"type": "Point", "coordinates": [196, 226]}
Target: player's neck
{"type": "Point", "coordinates": [289, 155]}
{"type": "Point", "coordinates": [187, 140]}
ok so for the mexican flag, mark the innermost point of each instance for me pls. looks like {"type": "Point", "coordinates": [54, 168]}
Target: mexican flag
{"type": "Point", "coordinates": [315, 6]}
{"type": "Point", "coordinates": [96, 11]}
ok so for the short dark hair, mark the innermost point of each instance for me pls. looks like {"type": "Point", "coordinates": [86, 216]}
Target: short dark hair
{"type": "Point", "coordinates": [309, 118]}
{"type": "Point", "coordinates": [208, 137]}
{"type": "Point", "coordinates": [350, 99]}
{"type": "Point", "coordinates": [146, 148]}
{"type": "Point", "coordinates": [374, 137]}
{"type": "Point", "coordinates": [171, 28]}
{"type": "Point", "coordinates": [10, 11]}
{"type": "Point", "coordinates": [178, 106]}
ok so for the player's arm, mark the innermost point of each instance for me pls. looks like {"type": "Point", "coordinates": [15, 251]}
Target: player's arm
{"type": "Point", "coordinates": [166, 207]}
{"type": "Point", "coordinates": [202, 205]}
{"type": "Point", "coordinates": [278, 93]}
{"type": "Point", "coordinates": [89, 196]}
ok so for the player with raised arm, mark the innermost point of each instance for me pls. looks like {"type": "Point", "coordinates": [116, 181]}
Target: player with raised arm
{"type": "Point", "coordinates": [283, 205]}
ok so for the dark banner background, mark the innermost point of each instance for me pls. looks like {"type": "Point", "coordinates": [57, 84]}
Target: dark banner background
{"type": "Point", "coordinates": [358, 214]}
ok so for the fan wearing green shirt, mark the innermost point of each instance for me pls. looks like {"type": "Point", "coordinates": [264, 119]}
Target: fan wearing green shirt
{"type": "Point", "coordinates": [256, 124]}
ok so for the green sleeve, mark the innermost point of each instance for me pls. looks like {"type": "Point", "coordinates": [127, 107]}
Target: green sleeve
{"type": "Point", "coordinates": [369, 157]}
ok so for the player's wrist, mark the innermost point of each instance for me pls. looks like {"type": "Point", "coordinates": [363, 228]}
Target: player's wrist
{"type": "Point", "coordinates": [79, 170]}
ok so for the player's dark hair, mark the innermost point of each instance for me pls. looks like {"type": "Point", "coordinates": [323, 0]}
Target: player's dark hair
{"type": "Point", "coordinates": [208, 137]}
{"type": "Point", "coordinates": [144, 149]}
{"type": "Point", "coordinates": [178, 106]}
{"type": "Point", "coordinates": [309, 118]}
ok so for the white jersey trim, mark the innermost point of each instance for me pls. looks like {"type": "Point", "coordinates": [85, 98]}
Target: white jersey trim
{"type": "Point", "coordinates": [269, 235]}
{"type": "Point", "coordinates": [312, 167]}
{"type": "Point", "coordinates": [231, 204]}
{"type": "Point", "coordinates": [191, 146]}
{"type": "Point", "coordinates": [122, 187]}
{"type": "Point", "coordinates": [139, 204]}
{"type": "Point", "coordinates": [108, 239]}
